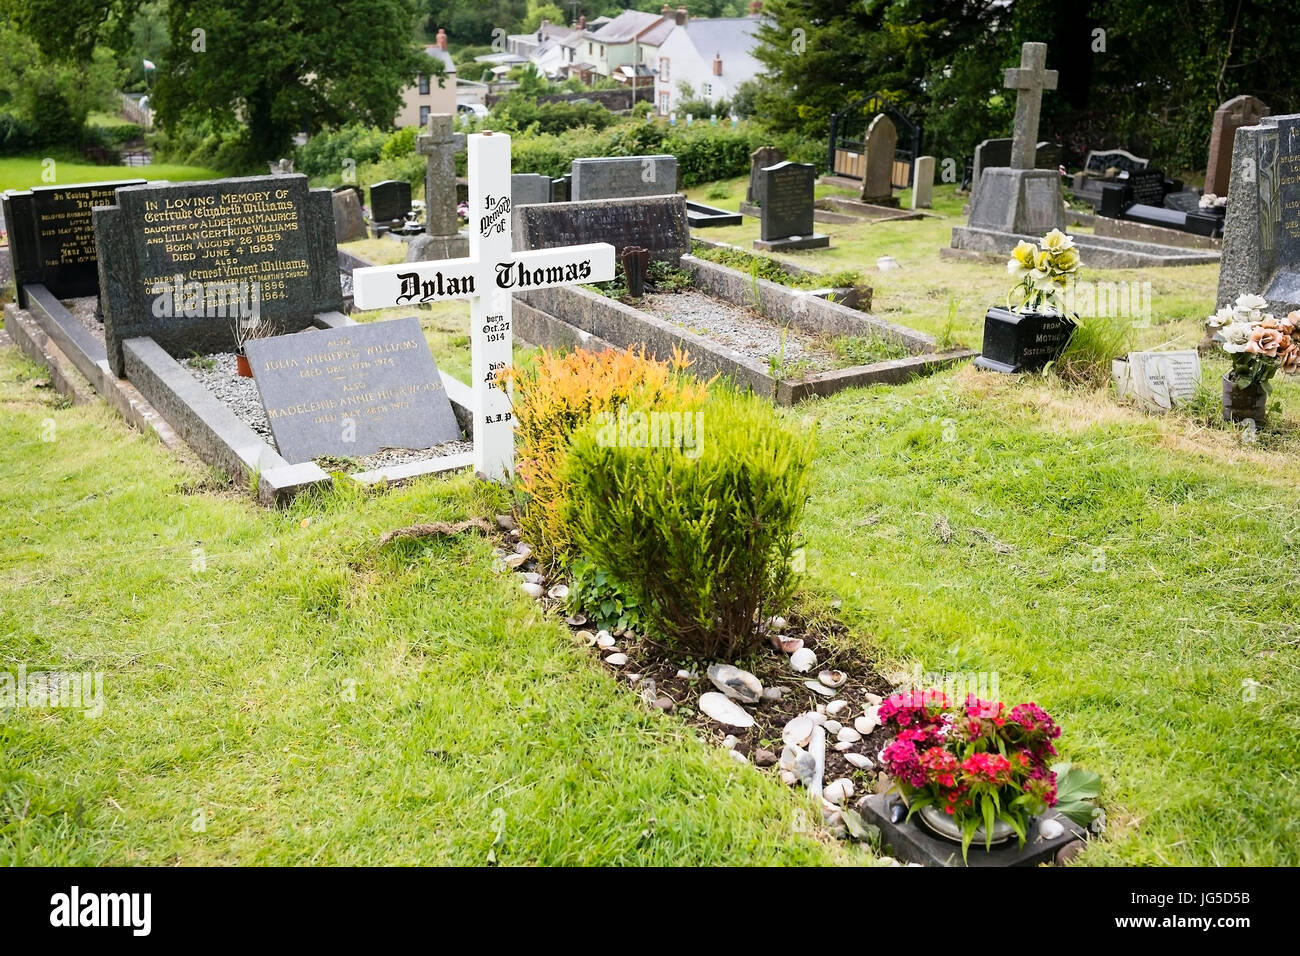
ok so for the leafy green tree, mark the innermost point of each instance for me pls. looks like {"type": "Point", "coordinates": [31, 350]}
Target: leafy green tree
{"type": "Point", "coordinates": [277, 68]}
{"type": "Point", "coordinates": [537, 12]}
{"type": "Point", "coordinates": [51, 98]}
{"type": "Point", "coordinates": [473, 21]}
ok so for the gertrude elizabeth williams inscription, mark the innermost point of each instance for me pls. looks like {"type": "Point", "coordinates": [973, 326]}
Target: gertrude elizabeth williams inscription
{"type": "Point", "coordinates": [210, 237]}
{"type": "Point", "coordinates": [352, 391]}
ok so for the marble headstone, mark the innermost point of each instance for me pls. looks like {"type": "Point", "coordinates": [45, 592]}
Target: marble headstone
{"type": "Point", "coordinates": [923, 182]}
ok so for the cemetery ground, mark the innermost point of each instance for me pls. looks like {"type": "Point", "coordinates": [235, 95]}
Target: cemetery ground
{"type": "Point", "coordinates": [280, 689]}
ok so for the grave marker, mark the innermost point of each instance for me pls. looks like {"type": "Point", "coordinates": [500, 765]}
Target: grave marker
{"type": "Point", "coordinates": [488, 277]}
{"type": "Point", "coordinates": [1244, 110]}
{"type": "Point", "coordinates": [877, 180]}
{"type": "Point", "coordinates": [786, 207]}
{"type": "Point", "coordinates": [179, 262]}
{"type": "Point", "coordinates": [440, 144]}
{"type": "Point", "coordinates": [657, 223]}
{"type": "Point", "coordinates": [390, 201]}
{"type": "Point", "coordinates": [52, 236]}
{"type": "Point", "coordinates": [352, 391]}
{"type": "Point", "coordinates": [621, 177]}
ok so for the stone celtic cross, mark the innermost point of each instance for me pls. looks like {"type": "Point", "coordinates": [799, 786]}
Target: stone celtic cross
{"type": "Point", "coordinates": [488, 278]}
{"type": "Point", "coordinates": [440, 145]}
{"type": "Point", "coordinates": [1028, 80]}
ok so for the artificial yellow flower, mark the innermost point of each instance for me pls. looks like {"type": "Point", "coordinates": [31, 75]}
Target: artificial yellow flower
{"type": "Point", "coordinates": [1023, 254]}
{"type": "Point", "coordinates": [1067, 260]}
{"type": "Point", "coordinates": [1057, 241]}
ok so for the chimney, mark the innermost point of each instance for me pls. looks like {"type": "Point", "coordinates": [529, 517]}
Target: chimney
{"type": "Point", "coordinates": [755, 8]}
{"type": "Point", "coordinates": [665, 11]}
{"type": "Point", "coordinates": [681, 16]}
{"type": "Point", "coordinates": [441, 39]}
{"type": "Point", "coordinates": [582, 22]}
{"type": "Point", "coordinates": [717, 64]}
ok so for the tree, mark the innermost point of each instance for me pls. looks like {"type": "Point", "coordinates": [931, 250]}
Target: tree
{"type": "Point", "coordinates": [475, 21]}
{"type": "Point", "coordinates": [53, 99]}
{"type": "Point", "coordinates": [277, 68]}
{"type": "Point", "coordinates": [537, 12]}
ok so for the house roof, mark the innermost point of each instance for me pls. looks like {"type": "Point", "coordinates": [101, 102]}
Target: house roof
{"type": "Point", "coordinates": [658, 33]}
{"type": "Point", "coordinates": [732, 38]}
{"type": "Point", "coordinates": [438, 53]}
{"type": "Point", "coordinates": [624, 28]}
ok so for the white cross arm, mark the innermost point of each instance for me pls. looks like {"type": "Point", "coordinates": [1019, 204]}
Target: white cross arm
{"type": "Point", "coordinates": [1019, 78]}
{"type": "Point", "coordinates": [412, 283]}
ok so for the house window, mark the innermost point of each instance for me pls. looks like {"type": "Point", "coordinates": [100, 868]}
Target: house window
{"type": "Point", "coordinates": [708, 89]}
{"type": "Point", "coordinates": [424, 116]}
{"type": "Point", "coordinates": [663, 103]}
{"type": "Point", "coordinates": [663, 69]}
{"type": "Point", "coordinates": [424, 84]}
{"type": "Point", "coordinates": [589, 49]}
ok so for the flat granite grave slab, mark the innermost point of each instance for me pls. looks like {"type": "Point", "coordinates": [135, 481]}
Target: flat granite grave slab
{"type": "Point", "coordinates": [657, 223]}
{"type": "Point", "coordinates": [352, 391]}
{"type": "Point", "coordinates": [911, 842]}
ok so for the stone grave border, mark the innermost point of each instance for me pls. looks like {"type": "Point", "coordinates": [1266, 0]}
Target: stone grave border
{"type": "Point", "coordinates": [1097, 252]}
{"type": "Point", "coordinates": [577, 317]}
{"type": "Point", "coordinates": [161, 395]}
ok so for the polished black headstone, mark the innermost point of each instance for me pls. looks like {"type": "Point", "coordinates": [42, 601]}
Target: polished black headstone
{"type": "Point", "coordinates": [182, 262]}
{"type": "Point", "coordinates": [52, 236]}
{"type": "Point", "coordinates": [390, 200]}
{"type": "Point", "coordinates": [1022, 342]}
{"type": "Point", "coordinates": [657, 223]}
{"type": "Point", "coordinates": [785, 196]}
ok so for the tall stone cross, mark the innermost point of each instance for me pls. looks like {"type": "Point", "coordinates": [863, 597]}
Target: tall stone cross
{"type": "Point", "coordinates": [1028, 80]}
{"type": "Point", "coordinates": [440, 145]}
{"type": "Point", "coordinates": [488, 277]}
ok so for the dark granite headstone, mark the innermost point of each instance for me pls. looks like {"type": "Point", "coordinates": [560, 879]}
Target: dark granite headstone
{"type": "Point", "coordinates": [785, 197]}
{"type": "Point", "coordinates": [352, 391]}
{"type": "Point", "coordinates": [52, 236]}
{"type": "Point", "coordinates": [619, 177]}
{"type": "Point", "coordinates": [657, 223]}
{"type": "Point", "coordinates": [390, 200]}
{"type": "Point", "coordinates": [560, 189]}
{"type": "Point", "coordinates": [1147, 186]}
{"type": "Point", "coordinates": [180, 262]}
{"type": "Point", "coordinates": [1100, 160]}
{"type": "Point", "coordinates": [1022, 342]}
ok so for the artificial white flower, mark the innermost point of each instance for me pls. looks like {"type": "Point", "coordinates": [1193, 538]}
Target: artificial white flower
{"type": "Point", "coordinates": [1236, 336]}
{"type": "Point", "coordinates": [1249, 302]}
{"type": "Point", "coordinates": [1057, 241]}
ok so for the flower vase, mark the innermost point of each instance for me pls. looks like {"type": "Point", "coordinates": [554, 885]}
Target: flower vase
{"type": "Point", "coordinates": [1240, 404]}
{"type": "Point", "coordinates": [242, 367]}
{"type": "Point", "coordinates": [941, 824]}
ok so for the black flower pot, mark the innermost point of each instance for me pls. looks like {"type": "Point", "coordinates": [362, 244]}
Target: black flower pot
{"type": "Point", "coordinates": [1241, 404]}
{"type": "Point", "coordinates": [1022, 341]}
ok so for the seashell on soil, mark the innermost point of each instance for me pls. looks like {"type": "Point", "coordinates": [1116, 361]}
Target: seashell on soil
{"type": "Point", "coordinates": [833, 678]}
{"type": "Point", "coordinates": [724, 710]}
{"type": "Point", "coordinates": [848, 735]}
{"type": "Point", "coordinates": [532, 577]}
{"type": "Point", "coordinates": [587, 636]}
{"type": "Point", "coordinates": [576, 620]}
{"type": "Point", "coordinates": [861, 761]}
{"type": "Point", "coordinates": [837, 707]}
{"type": "Point", "coordinates": [803, 660]}
{"type": "Point", "coordinates": [737, 684]}
{"type": "Point", "coordinates": [534, 591]}
{"type": "Point", "coordinates": [738, 756]}
{"type": "Point", "coordinates": [817, 717]}
{"type": "Point", "coordinates": [558, 593]}
{"type": "Point", "coordinates": [833, 726]}
{"type": "Point", "coordinates": [839, 791]}
{"type": "Point", "coordinates": [817, 687]}
{"type": "Point", "coordinates": [866, 724]}
{"type": "Point", "coordinates": [797, 732]}
{"type": "Point", "coordinates": [604, 639]}
{"type": "Point", "coordinates": [515, 560]}
{"type": "Point", "coordinates": [729, 742]}
{"type": "Point", "coordinates": [616, 660]}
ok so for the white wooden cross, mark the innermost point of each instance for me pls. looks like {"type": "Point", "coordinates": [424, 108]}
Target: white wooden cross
{"type": "Point", "coordinates": [487, 278]}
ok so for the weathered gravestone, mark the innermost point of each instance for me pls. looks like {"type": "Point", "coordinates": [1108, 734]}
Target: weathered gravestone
{"type": "Point", "coordinates": [657, 223]}
{"type": "Point", "coordinates": [349, 220]}
{"type": "Point", "coordinates": [1261, 234]}
{"type": "Point", "coordinates": [877, 182]}
{"type": "Point", "coordinates": [785, 195]}
{"type": "Point", "coordinates": [488, 277]}
{"type": "Point", "coordinates": [528, 189]}
{"type": "Point", "coordinates": [923, 182]}
{"type": "Point", "coordinates": [759, 160]}
{"type": "Point", "coordinates": [1018, 198]}
{"type": "Point", "coordinates": [621, 177]}
{"type": "Point", "coordinates": [52, 237]}
{"type": "Point", "coordinates": [1244, 110]}
{"type": "Point", "coordinates": [390, 201]}
{"type": "Point", "coordinates": [180, 262]}
{"type": "Point", "coordinates": [439, 144]}
{"type": "Point", "coordinates": [997, 152]}
{"type": "Point", "coordinates": [352, 391]}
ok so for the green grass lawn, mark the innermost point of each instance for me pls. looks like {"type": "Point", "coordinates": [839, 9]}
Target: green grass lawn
{"type": "Point", "coordinates": [280, 690]}
{"type": "Point", "coordinates": [24, 172]}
